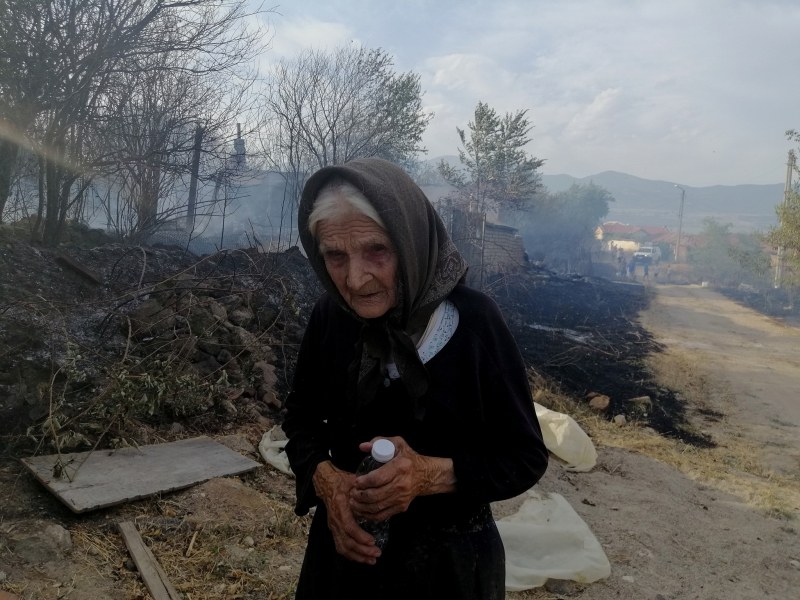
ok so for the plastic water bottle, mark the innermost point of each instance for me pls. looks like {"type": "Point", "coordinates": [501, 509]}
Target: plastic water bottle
{"type": "Point", "coordinates": [382, 452]}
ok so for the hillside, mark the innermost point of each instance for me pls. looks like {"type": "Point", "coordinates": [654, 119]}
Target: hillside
{"type": "Point", "coordinates": [650, 202]}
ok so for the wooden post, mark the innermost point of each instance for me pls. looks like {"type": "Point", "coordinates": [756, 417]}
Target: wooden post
{"type": "Point", "coordinates": [151, 572]}
{"type": "Point", "coordinates": [191, 207]}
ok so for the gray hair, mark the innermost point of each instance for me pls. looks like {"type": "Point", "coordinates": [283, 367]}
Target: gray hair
{"type": "Point", "coordinates": [336, 199]}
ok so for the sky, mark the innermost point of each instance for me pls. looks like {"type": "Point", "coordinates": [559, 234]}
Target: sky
{"type": "Point", "coordinates": [697, 92]}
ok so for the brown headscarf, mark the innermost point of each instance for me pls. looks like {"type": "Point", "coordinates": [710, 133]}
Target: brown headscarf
{"type": "Point", "coordinates": [429, 268]}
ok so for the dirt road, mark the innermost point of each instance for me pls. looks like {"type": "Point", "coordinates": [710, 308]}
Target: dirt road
{"type": "Point", "coordinates": [691, 535]}
{"type": "Point", "coordinates": [756, 357]}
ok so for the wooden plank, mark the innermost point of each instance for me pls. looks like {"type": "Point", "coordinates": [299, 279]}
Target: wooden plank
{"type": "Point", "coordinates": [150, 569]}
{"type": "Point", "coordinates": [90, 480]}
{"type": "Point", "coordinates": [67, 261]}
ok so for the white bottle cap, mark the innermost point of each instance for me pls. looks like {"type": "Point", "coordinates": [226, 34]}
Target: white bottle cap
{"type": "Point", "coordinates": [383, 450]}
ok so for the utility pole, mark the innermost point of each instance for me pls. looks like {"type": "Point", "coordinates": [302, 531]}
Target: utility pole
{"type": "Point", "coordinates": [483, 247]}
{"type": "Point", "coordinates": [787, 189]}
{"type": "Point", "coordinates": [192, 203]}
{"type": "Point", "coordinates": [680, 225]}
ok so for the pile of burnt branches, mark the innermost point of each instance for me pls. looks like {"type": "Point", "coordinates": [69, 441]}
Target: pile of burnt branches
{"type": "Point", "coordinates": [67, 312]}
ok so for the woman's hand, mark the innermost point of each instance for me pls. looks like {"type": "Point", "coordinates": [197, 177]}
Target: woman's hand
{"type": "Point", "coordinates": [390, 489]}
{"type": "Point", "coordinates": [333, 486]}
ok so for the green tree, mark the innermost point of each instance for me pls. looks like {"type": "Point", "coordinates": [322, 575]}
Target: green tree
{"type": "Point", "coordinates": [729, 259]}
{"type": "Point", "coordinates": [496, 171]}
{"type": "Point", "coordinates": [559, 229]}
{"type": "Point", "coordinates": [786, 236]}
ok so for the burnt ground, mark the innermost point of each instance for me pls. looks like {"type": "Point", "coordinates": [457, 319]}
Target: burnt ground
{"type": "Point", "coordinates": [582, 334]}
{"type": "Point", "coordinates": [78, 333]}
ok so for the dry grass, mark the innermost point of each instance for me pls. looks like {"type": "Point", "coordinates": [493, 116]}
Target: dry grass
{"type": "Point", "coordinates": [252, 550]}
{"type": "Point", "coordinates": [232, 540]}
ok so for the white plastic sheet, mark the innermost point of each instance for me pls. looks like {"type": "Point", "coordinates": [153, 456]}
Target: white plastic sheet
{"type": "Point", "coordinates": [271, 448]}
{"type": "Point", "coordinates": [546, 539]}
{"type": "Point", "coordinates": [566, 440]}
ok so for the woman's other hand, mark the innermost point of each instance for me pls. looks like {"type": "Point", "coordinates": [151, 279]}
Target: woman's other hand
{"type": "Point", "coordinates": [334, 487]}
{"type": "Point", "coordinates": [390, 489]}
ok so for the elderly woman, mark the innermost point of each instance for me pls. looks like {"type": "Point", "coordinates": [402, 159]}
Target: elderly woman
{"type": "Point", "coordinates": [400, 348]}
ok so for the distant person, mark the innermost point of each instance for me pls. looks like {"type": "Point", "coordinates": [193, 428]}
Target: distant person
{"type": "Point", "coordinates": [646, 268]}
{"type": "Point", "coordinates": [632, 269]}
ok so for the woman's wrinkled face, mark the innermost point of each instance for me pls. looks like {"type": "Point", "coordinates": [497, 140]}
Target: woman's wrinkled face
{"type": "Point", "coordinates": [362, 262]}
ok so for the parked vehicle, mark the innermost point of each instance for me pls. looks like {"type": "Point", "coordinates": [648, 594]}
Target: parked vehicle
{"type": "Point", "coordinates": [647, 254]}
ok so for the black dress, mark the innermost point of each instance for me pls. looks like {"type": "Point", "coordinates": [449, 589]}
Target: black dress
{"type": "Point", "coordinates": [477, 410]}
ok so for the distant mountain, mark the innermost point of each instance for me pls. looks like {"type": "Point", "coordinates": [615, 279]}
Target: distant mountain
{"type": "Point", "coordinates": [648, 202]}
{"type": "Point", "coordinates": [640, 201]}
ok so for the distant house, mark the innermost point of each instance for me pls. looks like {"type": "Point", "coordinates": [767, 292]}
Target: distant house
{"type": "Point", "coordinates": [621, 236]}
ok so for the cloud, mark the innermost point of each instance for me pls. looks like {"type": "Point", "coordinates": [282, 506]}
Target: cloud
{"type": "Point", "coordinates": [296, 35]}
{"type": "Point", "coordinates": [695, 92]}
{"type": "Point", "coordinates": [596, 117]}
{"type": "Point", "coordinates": [468, 74]}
